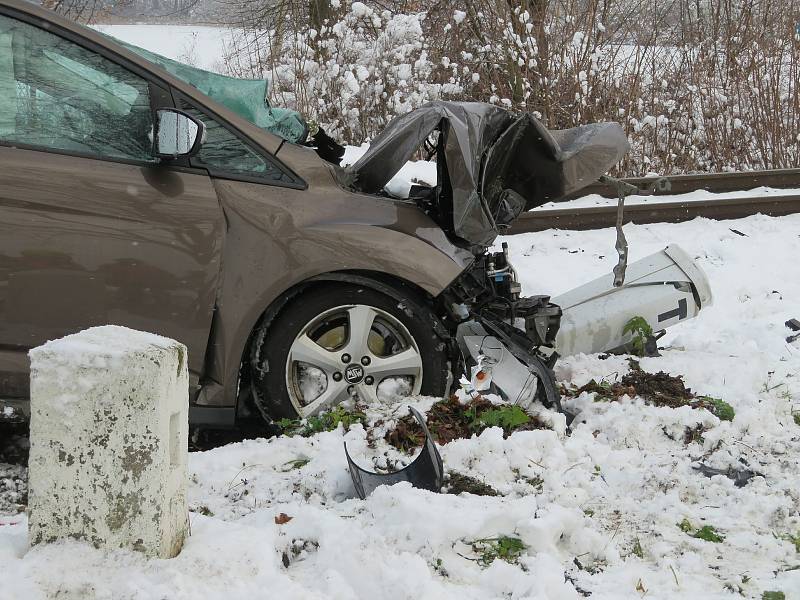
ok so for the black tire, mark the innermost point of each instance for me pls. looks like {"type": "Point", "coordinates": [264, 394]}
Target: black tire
{"type": "Point", "coordinates": [272, 343]}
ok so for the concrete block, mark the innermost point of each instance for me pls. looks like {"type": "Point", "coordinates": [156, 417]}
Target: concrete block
{"type": "Point", "coordinates": [109, 435]}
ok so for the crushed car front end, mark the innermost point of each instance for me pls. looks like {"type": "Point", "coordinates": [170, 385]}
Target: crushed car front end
{"type": "Point", "coordinates": [492, 165]}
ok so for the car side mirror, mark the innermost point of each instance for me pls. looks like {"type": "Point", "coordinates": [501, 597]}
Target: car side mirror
{"type": "Point", "coordinates": [177, 134]}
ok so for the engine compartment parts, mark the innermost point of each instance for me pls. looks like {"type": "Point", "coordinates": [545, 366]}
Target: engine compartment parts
{"type": "Point", "coordinates": [425, 472]}
{"type": "Point", "coordinates": [493, 363]}
{"type": "Point", "coordinates": [489, 289]}
{"type": "Point", "coordinates": [510, 344]}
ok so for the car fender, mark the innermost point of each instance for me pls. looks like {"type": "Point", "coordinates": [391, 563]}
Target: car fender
{"type": "Point", "coordinates": [275, 244]}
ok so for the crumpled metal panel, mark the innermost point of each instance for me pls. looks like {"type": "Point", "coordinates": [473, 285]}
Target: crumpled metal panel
{"type": "Point", "coordinates": [493, 163]}
{"type": "Point", "coordinates": [544, 166]}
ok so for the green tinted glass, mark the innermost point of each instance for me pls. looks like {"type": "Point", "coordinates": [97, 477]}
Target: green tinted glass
{"type": "Point", "coordinates": [56, 94]}
{"type": "Point", "coordinates": [224, 152]}
{"type": "Point", "coordinates": [245, 97]}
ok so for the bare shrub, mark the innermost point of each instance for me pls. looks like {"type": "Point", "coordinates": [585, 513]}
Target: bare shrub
{"type": "Point", "coordinates": [698, 85]}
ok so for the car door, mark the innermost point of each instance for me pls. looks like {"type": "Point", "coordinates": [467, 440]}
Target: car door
{"type": "Point", "coordinates": [93, 229]}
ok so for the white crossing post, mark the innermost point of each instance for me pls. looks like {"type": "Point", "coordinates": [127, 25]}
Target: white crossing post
{"type": "Point", "coordinates": [109, 437]}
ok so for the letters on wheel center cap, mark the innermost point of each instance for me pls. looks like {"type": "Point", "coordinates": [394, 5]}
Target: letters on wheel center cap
{"type": "Point", "coordinates": [354, 374]}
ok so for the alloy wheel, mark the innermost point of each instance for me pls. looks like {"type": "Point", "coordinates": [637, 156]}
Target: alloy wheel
{"type": "Point", "coordinates": [351, 351]}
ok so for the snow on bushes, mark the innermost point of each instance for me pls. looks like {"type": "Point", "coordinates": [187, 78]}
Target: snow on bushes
{"type": "Point", "coordinates": [715, 91]}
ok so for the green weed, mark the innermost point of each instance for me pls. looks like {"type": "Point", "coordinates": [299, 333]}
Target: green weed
{"type": "Point", "coordinates": [506, 417]}
{"type": "Point", "coordinates": [720, 408]}
{"type": "Point", "coordinates": [641, 331]}
{"type": "Point", "coordinates": [503, 547]}
{"type": "Point", "coordinates": [325, 422]}
{"type": "Point", "coordinates": [534, 481]}
{"type": "Point", "coordinates": [297, 463]}
{"type": "Point", "coordinates": [794, 539]}
{"type": "Point", "coordinates": [707, 533]}
{"type": "Point", "coordinates": [438, 566]}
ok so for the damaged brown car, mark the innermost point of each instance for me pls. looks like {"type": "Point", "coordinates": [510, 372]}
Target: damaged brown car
{"type": "Point", "coordinates": [128, 196]}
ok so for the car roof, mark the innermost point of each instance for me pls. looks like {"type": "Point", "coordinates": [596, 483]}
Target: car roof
{"type": "Point", "coordinates": [264, 139]}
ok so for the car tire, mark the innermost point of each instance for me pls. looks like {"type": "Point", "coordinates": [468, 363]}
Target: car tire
{"type": "Point", "coordinates": [287, 371]}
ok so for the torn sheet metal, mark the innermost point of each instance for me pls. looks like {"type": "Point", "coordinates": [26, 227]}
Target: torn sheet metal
{"type": "Point", "coordinates": [492, 163]}
{"type": "Point", "coordinates": [425, 472]}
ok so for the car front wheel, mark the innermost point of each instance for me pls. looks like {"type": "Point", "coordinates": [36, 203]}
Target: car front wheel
{"type": "Point", "coordinates": [341, 341]}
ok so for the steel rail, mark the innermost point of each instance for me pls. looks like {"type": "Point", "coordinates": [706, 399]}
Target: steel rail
{"type": "Point", "coordinates": [712, 182]}
{"type": "Point", "coordinates": [599, 217]}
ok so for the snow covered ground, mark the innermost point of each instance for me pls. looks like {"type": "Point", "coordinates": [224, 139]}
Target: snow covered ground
{"type": "Point", "coordinates": [597, 510]}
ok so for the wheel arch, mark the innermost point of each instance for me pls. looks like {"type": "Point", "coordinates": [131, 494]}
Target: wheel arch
{"type": "Point", "coordinates": [388, 284]}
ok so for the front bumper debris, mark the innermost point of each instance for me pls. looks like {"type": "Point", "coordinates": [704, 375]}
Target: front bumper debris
{"type": "Point", "coordinates": [425, 472]}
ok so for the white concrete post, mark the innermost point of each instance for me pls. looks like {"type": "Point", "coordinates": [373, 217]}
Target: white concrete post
{"type": "Point", "coordinates": [109, 435]}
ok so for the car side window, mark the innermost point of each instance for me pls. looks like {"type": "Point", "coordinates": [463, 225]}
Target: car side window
{"type": "Point", "coordinates": [58, 95]}
{"type": "Point", "coordinates": [223, 152]}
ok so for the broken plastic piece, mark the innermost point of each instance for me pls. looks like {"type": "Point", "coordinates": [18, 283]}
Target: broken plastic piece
{"type": "Point", "coordinates": [425, 472]}
{"type": "Point", "coordinates": [481, 380]}
{"type": "Point", "coordinates": [794, 325]}
{"type": "Point", "coordinates": [740, 477]}
{"type": "Point", "coordinates": [664, 289]}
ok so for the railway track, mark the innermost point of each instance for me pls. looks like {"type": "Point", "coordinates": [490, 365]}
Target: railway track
{"type": "Point", "coordinates": [599, 217]}
{"type": "Point", "coordinates": [712, 182]}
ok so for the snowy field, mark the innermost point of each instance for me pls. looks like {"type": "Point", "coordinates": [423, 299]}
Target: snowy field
{"type": "Point", "coordinates": [197, 45]}
{"type": "Point", "coordinates": [597, 511]}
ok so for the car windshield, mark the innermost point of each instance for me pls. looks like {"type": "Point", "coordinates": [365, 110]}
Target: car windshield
{"type": "Point", "coordinates": [246, 97]}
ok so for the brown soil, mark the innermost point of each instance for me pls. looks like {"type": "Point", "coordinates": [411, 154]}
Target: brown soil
{"type": "Point", "coordinates": [448, 420]}
{"type": "Point", "coordinates": [661, 389]}
{"type": "Point", "coordinates": [458, 482]}
{"type": "Point", "coordinates": [658, 389]}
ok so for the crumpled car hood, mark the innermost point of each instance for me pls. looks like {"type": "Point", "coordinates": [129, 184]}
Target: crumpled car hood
{"type": "Point", "coordinates": [493, 164]}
